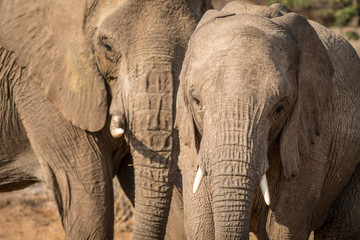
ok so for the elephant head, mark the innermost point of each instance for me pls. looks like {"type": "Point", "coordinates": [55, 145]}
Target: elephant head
{"type": "Point", "coordinates": [112, 57]}
{"type": "Point", "coordinates": [252, 78]}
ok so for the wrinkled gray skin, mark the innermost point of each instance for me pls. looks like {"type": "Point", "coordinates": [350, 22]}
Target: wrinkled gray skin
{"type": "Point", "coordinates": [63, 65]}
{"type": "Point", "coordinates": [266, 91]}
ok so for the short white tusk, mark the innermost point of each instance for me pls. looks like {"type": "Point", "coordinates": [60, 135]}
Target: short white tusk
{"type": "Point", "coordinates": [116, 132]}
{"type": "Point", "coordinates": [265, 189]}
{"type": "Point", "coordinates": [198, 179]}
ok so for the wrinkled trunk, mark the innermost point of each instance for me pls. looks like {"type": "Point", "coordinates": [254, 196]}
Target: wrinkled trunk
{"type": "Point", "coordinates": [153, 190]}
{"type": "Point", "coordinates": [151, 138]}
{"type": "Point", "coordinates": [236, 165]}
{"type": "Point", "coordinates": [233, 186]}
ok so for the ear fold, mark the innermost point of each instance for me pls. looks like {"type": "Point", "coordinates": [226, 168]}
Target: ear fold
{"type": "Point", "coordinates": [314, 86]}
{"type": "Point", "coordinates": [47, 37]}
{"type": "Point", "coordinates": [184, 122]}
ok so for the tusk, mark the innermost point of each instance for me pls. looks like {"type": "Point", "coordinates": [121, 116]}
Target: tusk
{"type": "Point", "coordinates": [265, 189]}
{"type": "Point", "coordinates": [198, 178]}
{"type": "Point", "coordinates": [115, 130]}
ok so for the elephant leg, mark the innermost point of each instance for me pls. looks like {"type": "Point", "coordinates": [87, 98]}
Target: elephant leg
{"type": "Point", "coordinates": [343, 220]}
{"type": "Point", "coordinates": [75, 167]}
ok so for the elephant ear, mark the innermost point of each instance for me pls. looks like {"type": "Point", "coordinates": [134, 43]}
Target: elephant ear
{"type": "Point", "coordinates": [184, 122]}
{"type": "Point", "coordinates": [47, 37]}
{"type": "Point", "coordinates": [314, 86]}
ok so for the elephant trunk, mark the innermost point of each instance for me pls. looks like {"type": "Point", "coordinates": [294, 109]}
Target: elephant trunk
{"type": "Point", "coordinates": [236, 165]}
{"type": "Point", "coordinates": [232, 185]}
{"type": "Point", "coordinates": [151, 137]}
{"type": "Point", "coordinates": [153, 191]}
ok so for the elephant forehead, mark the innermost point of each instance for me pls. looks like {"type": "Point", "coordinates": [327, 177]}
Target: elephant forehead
{"type": "Point", "coordinates": [241, 41]}
{"type": "Point", "coordinates": [246, 33]}
{"type": "Point", "coordinates": [241, 53]}
{"type": "Point", "coordinates": [233, 75]}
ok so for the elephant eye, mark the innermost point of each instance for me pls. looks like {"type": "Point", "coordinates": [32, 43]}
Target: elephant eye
{"type": "Point", "coordinates": [196, 98]}
{"type": "Point", "coordinates": [197, 105]}
{"type": "Point", "coordinates": [108, 47]}
{"type": "Point", "coordinates": [279, 108]}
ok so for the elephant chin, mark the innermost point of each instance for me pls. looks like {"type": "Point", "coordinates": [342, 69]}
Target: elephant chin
{"type": "Point", "coordinates": [116, 128]}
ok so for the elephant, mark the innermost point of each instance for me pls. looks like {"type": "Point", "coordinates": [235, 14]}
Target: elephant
{"type": "Point", "coordinates": [268, 113]}
{"type": "Point", "coordinates": [72, 70]}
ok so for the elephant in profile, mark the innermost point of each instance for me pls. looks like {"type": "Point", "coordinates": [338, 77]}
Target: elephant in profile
{"type": "Point", "coordinates": [69, 71]}
{"type": "Point", "coordinates": [268, 108]}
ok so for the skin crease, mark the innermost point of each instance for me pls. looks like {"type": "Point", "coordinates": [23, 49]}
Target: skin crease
{"type": "Point", "coordinates": [65, 66]}
{"type": "Point", "coordinates": [264, 90]}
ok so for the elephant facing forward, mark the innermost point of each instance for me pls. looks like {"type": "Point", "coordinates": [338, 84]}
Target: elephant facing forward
{"type": "Point", "coordinates": [269, 104]}
{"type": "Point", "coordinates": [66, 67]}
